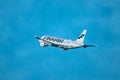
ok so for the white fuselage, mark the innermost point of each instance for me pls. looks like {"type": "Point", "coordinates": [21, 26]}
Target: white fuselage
{"type": "Point", "coordinates": [59, 42]}
{"type": "Point", "coordinates": [63, 43]}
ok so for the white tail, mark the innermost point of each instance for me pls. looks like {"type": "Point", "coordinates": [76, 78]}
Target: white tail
{"type": "Point", "coordinates": [81, 37]}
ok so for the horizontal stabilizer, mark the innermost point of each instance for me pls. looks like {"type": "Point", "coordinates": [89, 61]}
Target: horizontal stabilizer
{"type": "Point", "coordinates": [89, 46]}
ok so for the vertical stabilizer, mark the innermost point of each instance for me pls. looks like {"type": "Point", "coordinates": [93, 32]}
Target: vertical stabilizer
{"type": "Point", "coordinates": [81, 37]}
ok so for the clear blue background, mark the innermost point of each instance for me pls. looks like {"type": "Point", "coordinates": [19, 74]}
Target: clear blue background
{"type": "Point", "coordinates": [21, 57]}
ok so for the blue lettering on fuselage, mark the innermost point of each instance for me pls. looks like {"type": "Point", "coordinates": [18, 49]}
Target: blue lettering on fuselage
{"type": "Point", "coordinates": [53, 39]}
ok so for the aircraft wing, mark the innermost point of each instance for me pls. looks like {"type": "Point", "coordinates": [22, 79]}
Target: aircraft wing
{"type": "Point", "coordinates": [37, 37]}
{"type": "Point", "coordinates": [55, 45]}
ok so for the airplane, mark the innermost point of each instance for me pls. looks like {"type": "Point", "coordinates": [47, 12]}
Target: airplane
{"type": "Point", "coordinates": [63, 43]}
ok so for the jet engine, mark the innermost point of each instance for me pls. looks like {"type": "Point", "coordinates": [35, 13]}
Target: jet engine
{"type": "Point", "coordinates": [43, 44]}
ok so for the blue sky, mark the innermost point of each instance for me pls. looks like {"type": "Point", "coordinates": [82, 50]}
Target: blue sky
{"type": "Point", "coordinates": [21, 57]}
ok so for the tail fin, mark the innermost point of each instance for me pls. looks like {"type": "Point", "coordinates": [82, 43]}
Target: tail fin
{"type": "Point", "coordinates": [81, 37]}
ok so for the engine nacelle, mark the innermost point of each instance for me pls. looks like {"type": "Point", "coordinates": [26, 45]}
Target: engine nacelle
{"type": "Point", "coordinates": [43, 44]}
